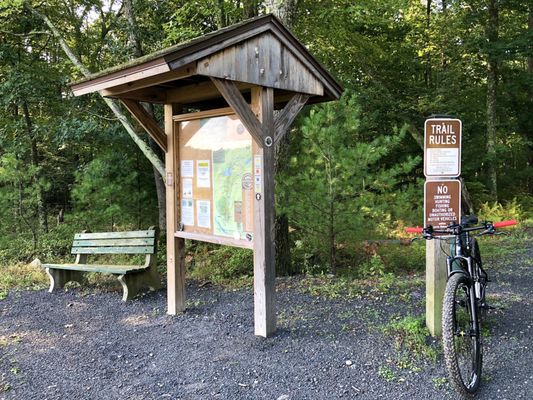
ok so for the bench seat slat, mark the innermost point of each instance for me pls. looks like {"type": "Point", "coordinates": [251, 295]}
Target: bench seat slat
{"type": "Point", "coordinates": [114, 250]}
{"type": "Point", "coordinates": [115, 235]}
{"type": "Point", "coordinates": [112, 269]}
{"type": "Point", "coordinates": [113, 242]}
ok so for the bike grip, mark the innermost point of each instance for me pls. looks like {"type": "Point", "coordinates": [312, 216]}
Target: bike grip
{"type": "Point", "coordinates": [504, 223]}
{"type": "Point", "coordinates": [413, 230]}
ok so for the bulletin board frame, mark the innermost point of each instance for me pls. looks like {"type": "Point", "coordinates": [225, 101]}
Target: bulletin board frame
{"type": "Point", "coordinates": [195, 232]}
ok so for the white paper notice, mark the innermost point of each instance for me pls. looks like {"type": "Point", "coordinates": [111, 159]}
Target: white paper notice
{"type": "Point", "coordinates": [187, 212]}
{"type": "Point", "coordinates": [203, 211]}
{"type": "Point", "coordinates": [442, 161]}
{"type": "Point", "coordinates": [186, 188]}
{"type": "Point", "coordinates": [187, 168]}
{"type": "Point", "coordinates": [202, 174]}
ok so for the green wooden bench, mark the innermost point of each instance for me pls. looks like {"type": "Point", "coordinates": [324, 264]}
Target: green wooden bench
{"type": "Point", "coordinates": [134, 278]}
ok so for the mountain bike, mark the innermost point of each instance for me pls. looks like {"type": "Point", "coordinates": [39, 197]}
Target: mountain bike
{"type": "Point", "coordinates": [464, 304]}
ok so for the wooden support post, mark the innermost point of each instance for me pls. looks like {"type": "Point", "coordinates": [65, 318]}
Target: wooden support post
{"type": "Point", "coordinates": [264, 242]}
{"type": "Point", "coordinates": [435, 285]}
{"type": "Point", "coordinates": [175, 246]}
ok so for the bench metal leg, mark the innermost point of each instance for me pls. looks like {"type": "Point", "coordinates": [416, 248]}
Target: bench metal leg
{"type": "Point", "coordinates": [59, 277]}
{"type": "Point", "coordinates": [134, 283]}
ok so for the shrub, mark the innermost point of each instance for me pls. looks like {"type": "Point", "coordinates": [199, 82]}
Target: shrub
{"type": "Point", "coordinates": [219, 264]}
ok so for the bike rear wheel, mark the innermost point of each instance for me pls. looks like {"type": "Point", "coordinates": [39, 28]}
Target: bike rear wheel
{"type": "Point", "coordinates": [461, 341]}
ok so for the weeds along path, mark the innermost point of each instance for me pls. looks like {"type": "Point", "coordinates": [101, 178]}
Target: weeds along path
{"type": "Point", "coordinates": [336, 340]}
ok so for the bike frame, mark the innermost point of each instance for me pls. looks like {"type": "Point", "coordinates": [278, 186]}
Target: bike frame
{"type": "Point", "coordinates": [471, 272]}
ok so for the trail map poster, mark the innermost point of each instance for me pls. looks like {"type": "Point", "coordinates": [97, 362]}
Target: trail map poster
{"type": "Point", "coordinates": [222, 184]}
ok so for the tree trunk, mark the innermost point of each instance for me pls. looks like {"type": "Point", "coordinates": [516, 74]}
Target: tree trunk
{"type": "Point", "coordinates": [530, 75]}
{"type": "Point", "coordinates": [41, 203]}
{"type": "Point", "coordinates": [283, 245]}
{"type": "Point", "coordinates": [139, 52]}
{"type": "Point", "coordinates": [284, 265]}
{"type": "Point", "coordinates": [492, 83]}
{"type": "Point", "coordinates": [427, 69]}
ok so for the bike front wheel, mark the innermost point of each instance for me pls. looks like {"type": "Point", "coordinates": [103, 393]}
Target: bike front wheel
{"type": "Point", "coordinates": [460, 336]}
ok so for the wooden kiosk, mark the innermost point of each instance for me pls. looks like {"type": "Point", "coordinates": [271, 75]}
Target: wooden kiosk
{"type": "Point", "coordinates": [229, 97]}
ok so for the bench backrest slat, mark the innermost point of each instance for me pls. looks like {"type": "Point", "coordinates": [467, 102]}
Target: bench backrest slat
{"type": "Point", "coordinates": [113, 242]}
{"type": "Point", "coordinates": [114, 250]}
{"type": "Point", "coordinates": [115, 235]}
{"type": "Point", "coordinates": [133, 242]}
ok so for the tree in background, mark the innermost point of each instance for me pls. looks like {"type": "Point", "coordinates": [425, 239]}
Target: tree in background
{"type": "Point", "coordinates": [341, 187]}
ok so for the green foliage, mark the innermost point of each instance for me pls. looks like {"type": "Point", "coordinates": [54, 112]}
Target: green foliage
{"type": "Point", "coordinates": [220, 264]}
{"type": "Point", "coordinates": [21, 276]}
{"type": "Point", "coordinates": [498, 212]}
{"type": "Point", "coordinates": [411, 337]}
{"type": "Point", "coordinates": [111, 190]}
{"type": "Point", "coordinates": [338, 186]}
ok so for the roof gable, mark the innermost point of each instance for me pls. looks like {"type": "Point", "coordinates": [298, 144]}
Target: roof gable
{"type": "Point", "coordinates": [258, 51]}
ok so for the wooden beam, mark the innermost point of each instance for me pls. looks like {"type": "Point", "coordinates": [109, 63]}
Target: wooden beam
{"type": "Point", "coordinates": [264, 247]}
{"type": "Point", "coordinates": [175, 246]}
{"type": "Point", "coordinates": [169, 76]}
{"type": "Point", "coordinates": [286, 116]}
{"type": "Point", "coordinates": [152, 68]}
{"type": "Point", "coordinates": [147, 95]}
{"type": "Point", "coordinates": [198, 92]}
{"type": "Point", "coordinates": [234, 98]}
{"type": "Point", "coordinates": [147, 122]}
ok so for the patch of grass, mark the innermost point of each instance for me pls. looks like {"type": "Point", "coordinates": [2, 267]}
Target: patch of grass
{"type": "Point", "coordinates": [387, 373]}
{"type": "Point", "coordinates": [331, 287]}
{"type": "Point", "coordinates": [7, 340]}
{"type": "Point", "coordinates": [439, 383]}
{"type": "Point", "coordinates": [4, 386]}
{"type": "Point", "coordinates": [411, 338]}
{"type": "Point", "coordinates": [21, 276]}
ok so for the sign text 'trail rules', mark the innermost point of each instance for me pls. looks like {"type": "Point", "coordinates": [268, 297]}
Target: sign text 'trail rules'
{"type": "Point", "coordinates": [442, 147]}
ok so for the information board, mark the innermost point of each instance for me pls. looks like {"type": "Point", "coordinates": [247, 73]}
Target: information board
{"type": "Point", "coordinates": [216, 177]}
{"type": "Point", "coordinates": [442, 203]}
{"type": "Point", "coordinates": [442, 147]}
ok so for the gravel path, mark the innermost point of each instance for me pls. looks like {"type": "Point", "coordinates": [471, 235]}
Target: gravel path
{"type": "Point", "coordinates": [87, 345]}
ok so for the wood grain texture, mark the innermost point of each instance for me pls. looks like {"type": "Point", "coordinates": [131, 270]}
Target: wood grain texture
{"type": "Point", "coordinates": [287, 116]}
{"type": "Point", "coordinates": [114, 235]}
{"type": "Point", "coordinates": [262, 60]}
{"type": "Point", "coordinates": [113, 242]}
{"type": "Point", "coordinates": [121, 89]}
{"type": "Point", "coordinates": [147, 122]}
{"type": "Point", "coordinates": [175, 246]}
{"type": "Point", "coordinates": [436, 277]}
{"type": "Point", "coordinates": [264, 248]}
{"type": "Point", "coordinates": [113, 250]}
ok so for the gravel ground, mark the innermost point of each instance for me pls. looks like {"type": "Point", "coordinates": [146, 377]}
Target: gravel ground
{"type": "Point", "coordinates": [84, 344]}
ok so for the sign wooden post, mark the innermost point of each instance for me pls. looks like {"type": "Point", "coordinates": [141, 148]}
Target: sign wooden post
{"type": "Point", "coordinates": [442, 205]}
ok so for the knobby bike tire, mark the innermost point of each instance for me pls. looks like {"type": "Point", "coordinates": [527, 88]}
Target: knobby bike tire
{"type": "Point", "coordinates": [462, 349]}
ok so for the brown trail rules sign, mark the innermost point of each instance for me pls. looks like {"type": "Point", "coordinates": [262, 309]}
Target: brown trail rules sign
{"type": "Point", "coordinates": [442, 203]}
{"type": "Point", "coordinates": [442, 147]}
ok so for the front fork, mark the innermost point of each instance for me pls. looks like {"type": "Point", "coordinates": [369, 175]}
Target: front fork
{"type": "Point", "coordinates": [456, 265]}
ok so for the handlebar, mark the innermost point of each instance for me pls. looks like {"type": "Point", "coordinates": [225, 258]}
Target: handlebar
{"type": "Point", "coordinates": [456, 229]}
{"type": "Point", "coordinates": [501, 224]}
